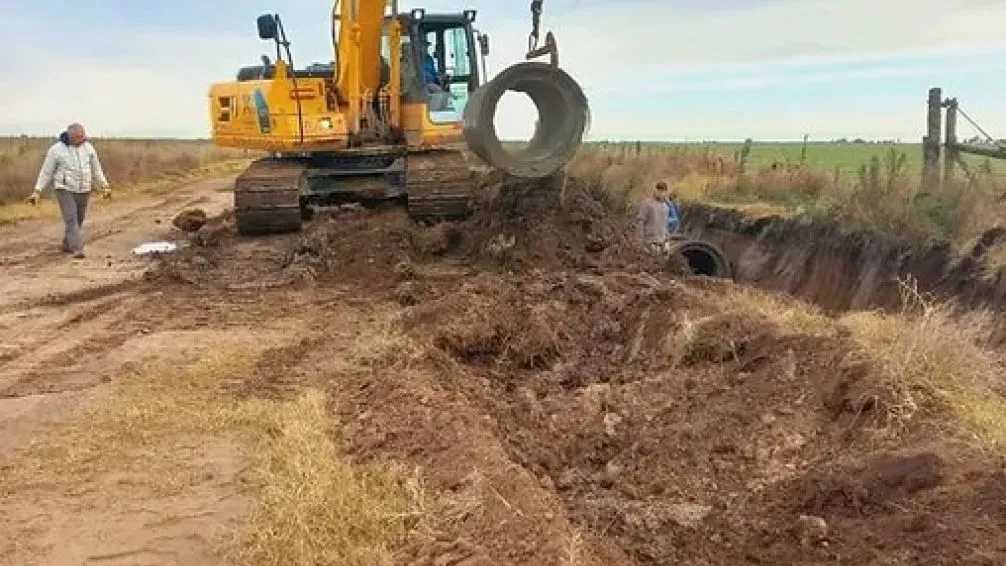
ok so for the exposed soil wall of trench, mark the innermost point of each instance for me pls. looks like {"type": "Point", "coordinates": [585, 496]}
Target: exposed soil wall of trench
{"type": "Point", "coordinates": [841, 270]}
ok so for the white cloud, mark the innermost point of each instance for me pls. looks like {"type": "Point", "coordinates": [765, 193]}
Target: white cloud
{"type": "Point", "coordinates": [658, 47]}
{"type": "Point", "coordinates": [158, 89]}
{"type": "Point", "coordinates": [660, 34]}
{"type": "Point", "coordinates": [156, 83]}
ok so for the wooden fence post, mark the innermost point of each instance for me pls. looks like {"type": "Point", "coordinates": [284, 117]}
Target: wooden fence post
{"type": "Point", "coordinates": [931, 143]}
{"type": "Point", "coordinates": [950, 154]}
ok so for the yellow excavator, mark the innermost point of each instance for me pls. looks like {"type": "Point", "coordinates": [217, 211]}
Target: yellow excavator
{"type": "Point", "coordinates": [390, 118]}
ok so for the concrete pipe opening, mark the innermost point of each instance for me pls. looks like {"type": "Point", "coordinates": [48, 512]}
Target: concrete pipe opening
{"type": "Point", "coordinates": [704, 258]}
{"type": "Point", "coordinates": [563, 118]}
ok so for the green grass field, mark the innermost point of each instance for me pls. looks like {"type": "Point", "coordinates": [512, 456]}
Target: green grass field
{"type": "Point", "coordinates": [826, 157]}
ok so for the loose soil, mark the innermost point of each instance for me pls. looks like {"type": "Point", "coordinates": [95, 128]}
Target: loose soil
{"type": "Point", "coordinates": [561, 397]}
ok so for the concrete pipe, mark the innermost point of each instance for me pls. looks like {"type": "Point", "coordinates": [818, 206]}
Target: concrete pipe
{"type": "Point", "coordinates": [563, 119]}
{"type": "Point", "coordinates": [703, 258]}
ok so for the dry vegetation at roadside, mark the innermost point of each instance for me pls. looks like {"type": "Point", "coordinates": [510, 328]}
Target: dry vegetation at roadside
{"type": "Point", "coordinates": [125, 161]}
{"type": "Point", "coordinates": [936, 360]}
{"type": "Point", "coordinates": [933, 363]}
{"type": "Point", "coordinates": [314, 508]}
{"type": "Point", "coordinates": [880, 195]}
{"type": "Point", "coordinates": [932, 366]}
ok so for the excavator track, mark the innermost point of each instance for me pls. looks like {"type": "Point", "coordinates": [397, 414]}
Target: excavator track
{"type": "Point", "coordinates": [267, 197]}
{"type": "Point", "coordinates": [440, 186]}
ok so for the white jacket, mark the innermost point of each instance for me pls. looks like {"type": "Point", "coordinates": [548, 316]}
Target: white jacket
{"type": "Point", "coordinates": [71, 168]}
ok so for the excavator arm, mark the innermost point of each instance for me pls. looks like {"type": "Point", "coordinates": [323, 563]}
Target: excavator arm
{"type": "Point", "coordinates": [358, 55]}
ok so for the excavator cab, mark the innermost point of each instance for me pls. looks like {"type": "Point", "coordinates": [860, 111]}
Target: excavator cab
{"type": "Point", "coordinates": [441, 66]}
{"type": "Point", "coordinates": [445, 46]}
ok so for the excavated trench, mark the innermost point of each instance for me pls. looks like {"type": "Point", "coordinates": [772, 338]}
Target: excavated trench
{"type": "Point", "coordinates": [842, 270]}
{"type": "Point", "coordinates": [605, 414]}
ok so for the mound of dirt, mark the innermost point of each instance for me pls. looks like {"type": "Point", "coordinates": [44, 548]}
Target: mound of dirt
{"type": "Point", "coordinates": [518, 225]}
{"type": "Point", "coordinates": [196, 262]}
{"type": "Point", "coordinates": [679, 433]}
{"type": "Point", "coordinates": [550, 224]}
{"type": "Point", "coordinates": [518, 322]}
{"type": "Point", "coordinates": [553, 223]}
{"type": "Point", "coordinates": [870, 485]}
{"type": "Point", "coordinates": [213, 231]}
{"type": "Point", "coordinates": [353, 244]}
{"type": "Point", "coordinates": [190, 220]}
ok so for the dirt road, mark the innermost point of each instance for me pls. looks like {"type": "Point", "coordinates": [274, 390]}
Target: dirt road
{"type": "Point", "coordinates": [67, 328]}
{"type": "Point", "coordinates": [520, 389]}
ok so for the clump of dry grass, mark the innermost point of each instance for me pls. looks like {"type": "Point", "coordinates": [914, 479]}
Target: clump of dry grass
{"type": "Point", "coordinates": [887, 199]}
{"type": "Point", "coordinates": [788, 315]}
{"type": "Point", "coordinates": [695, 174]}
{"type": "Point", "coordinates": [125, 162]}
{"type": "Point", "coordinates": [933, 360]}
{"type": "Point", "coordinates": [383, 345]}
{"type": "Point", "coordinates": [784, 183]}
{"type": "Point", "coordinates": [994, 261]}
{"type": "Point", "coordinates": [315, 508]}
{"type": "Point", "coordinates": [572, 549]}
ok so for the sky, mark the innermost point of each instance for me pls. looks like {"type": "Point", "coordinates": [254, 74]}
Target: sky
{"type": "Point", "coordinates": [678, 70]}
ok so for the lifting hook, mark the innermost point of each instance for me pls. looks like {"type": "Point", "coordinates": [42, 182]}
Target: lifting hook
{"type": "Point", "coordinates": [551, 47]}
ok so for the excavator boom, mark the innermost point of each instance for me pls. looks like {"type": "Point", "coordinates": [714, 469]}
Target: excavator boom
{"type": "Point", "coordinates": [360, 31]}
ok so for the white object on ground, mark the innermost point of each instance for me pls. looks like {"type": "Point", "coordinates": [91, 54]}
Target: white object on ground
{"type": "Point", "coordinates": [154, 248]}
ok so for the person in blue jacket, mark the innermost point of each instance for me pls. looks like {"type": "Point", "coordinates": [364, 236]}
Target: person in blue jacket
{"type": "Point", "coordinates": [673, 213]}
{"type": "Point", "coordinates": [430, 76]}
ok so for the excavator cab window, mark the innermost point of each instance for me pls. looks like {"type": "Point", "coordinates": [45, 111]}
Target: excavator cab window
{"type": "Point", "coordinates": [451, 76]}
{"type": "Point", "coordinates": [457, 56]}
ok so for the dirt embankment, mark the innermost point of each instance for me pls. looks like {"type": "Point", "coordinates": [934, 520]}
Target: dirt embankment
{"type": "Point", "coordinates": [672, 431]}
{"type": "Point", "coordinates": [567, 401]}
{"type": "Point", "coordinates": [841, 270]}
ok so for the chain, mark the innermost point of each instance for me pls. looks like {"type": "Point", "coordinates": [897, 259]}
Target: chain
{"type": "Point", "coordinates": [536, 10]}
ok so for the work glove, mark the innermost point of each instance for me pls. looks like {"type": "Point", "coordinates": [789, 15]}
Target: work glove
{"type": "Point", "coordinates": [106, 193]}
{"type": "Point", "coordinates": [33, 199]}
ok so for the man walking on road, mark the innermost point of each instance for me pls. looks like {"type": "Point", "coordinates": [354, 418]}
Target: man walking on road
{"type": "Point", "coordinates": [72, 166]}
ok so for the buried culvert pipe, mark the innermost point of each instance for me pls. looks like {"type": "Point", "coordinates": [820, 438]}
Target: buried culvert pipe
{"type": "Point", "coordinates": [563, 119]}
{"type": "Point", "coordinates": [703, 258]}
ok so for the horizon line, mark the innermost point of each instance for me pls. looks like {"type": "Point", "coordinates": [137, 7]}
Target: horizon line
{"type": "Point", "coordinates": [613, 140]}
